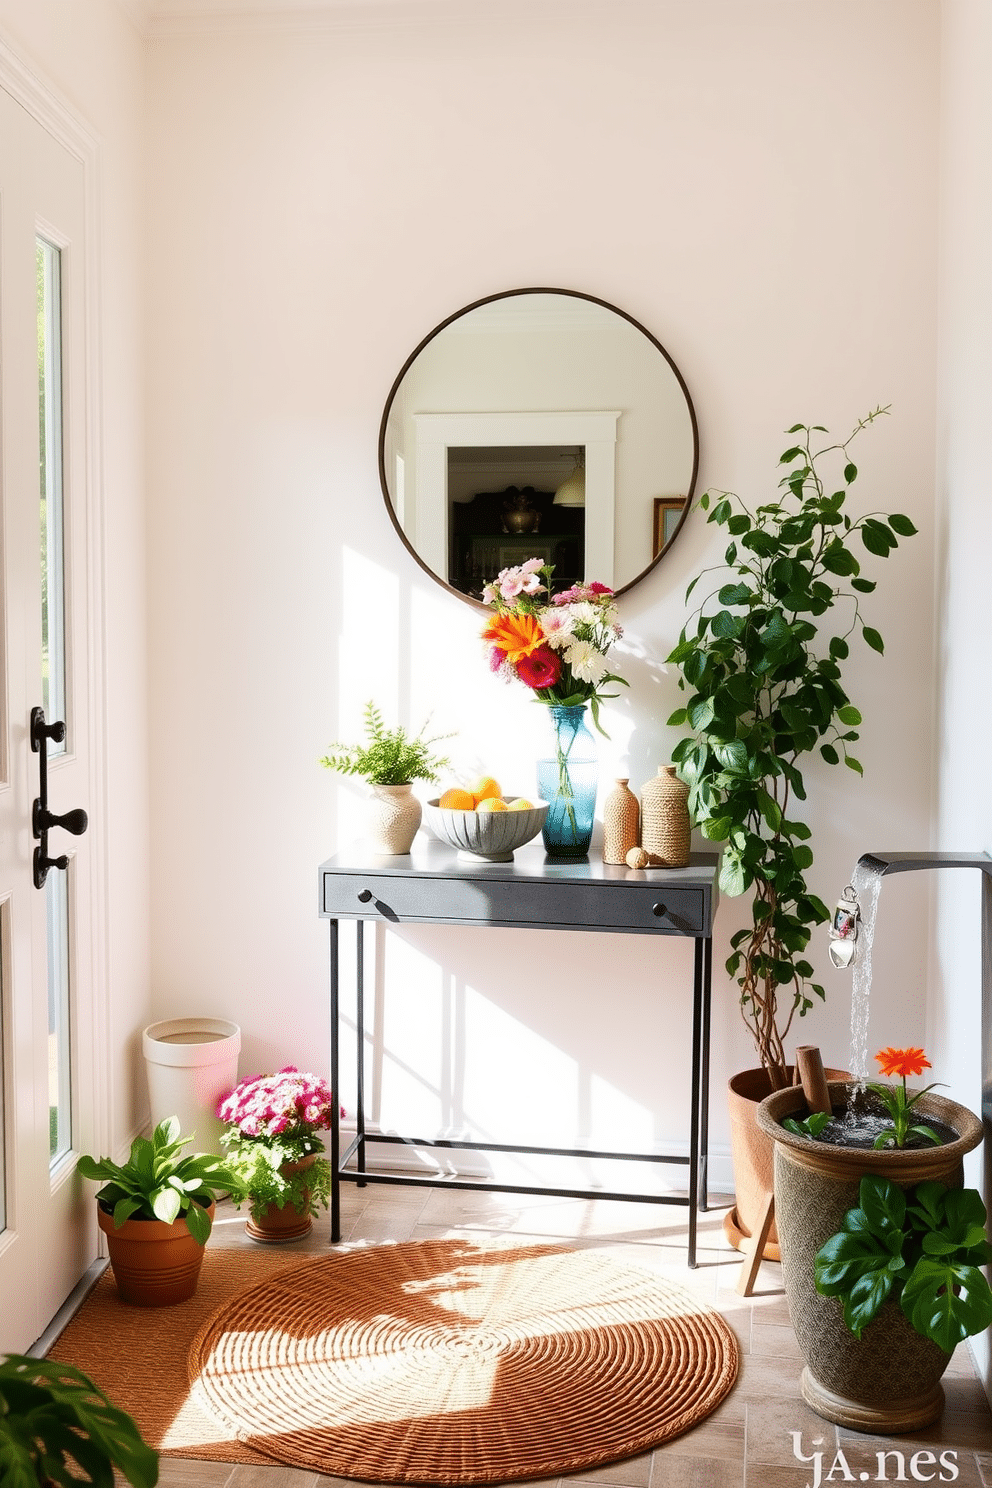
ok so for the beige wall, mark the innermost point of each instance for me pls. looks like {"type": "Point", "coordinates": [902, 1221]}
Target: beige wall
{"type": "Point", "coordinates": [762, 196]}
{"type": "Point", "coordinates": [964, 537]}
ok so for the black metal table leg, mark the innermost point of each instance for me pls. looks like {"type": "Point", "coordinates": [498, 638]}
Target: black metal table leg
{"type": "Point", "coordinates": [704, 1079]}
{"type": "Point", "coordinates": [694, 1116]}
{"type": "Point", "coordinates": [360, 1040]}
{"type": "Point", "coordinates": [335, 1092]}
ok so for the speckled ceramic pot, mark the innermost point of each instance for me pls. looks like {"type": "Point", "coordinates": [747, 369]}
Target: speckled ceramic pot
{"type": "Point", "coordinates": [887, 1381]}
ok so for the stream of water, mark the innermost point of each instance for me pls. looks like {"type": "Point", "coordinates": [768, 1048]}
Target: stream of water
{"type": "Point", "coordinates": [866, 883]}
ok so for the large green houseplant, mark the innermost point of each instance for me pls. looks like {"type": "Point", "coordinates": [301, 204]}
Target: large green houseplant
{"type": "Point", "coordinates": [762, 661]}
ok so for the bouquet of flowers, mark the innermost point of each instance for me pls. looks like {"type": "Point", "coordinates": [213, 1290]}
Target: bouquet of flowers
{"type": "Point", "coordinates": [273, 1120]}
{"type": "Point", "coordinates": [557, 645]}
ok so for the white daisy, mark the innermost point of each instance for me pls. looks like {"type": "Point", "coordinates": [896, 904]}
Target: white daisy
{"type": "Point", "coordinates": [588, 664]}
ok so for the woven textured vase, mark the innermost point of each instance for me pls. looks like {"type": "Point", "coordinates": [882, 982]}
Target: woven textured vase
{"type": "Point", "coordinates": [889, 1379]}
{"type": "Point", "coordinates": [621, 822]}
{"type": "Point", "coordinates": [665, 829]}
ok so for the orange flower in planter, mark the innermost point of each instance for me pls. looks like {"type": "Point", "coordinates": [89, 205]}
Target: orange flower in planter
{"type": "Point", "coordinates": [902, 1062]}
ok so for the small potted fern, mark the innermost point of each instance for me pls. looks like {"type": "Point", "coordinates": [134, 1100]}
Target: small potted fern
{"type": "Point", "coordinates": [391, 760]}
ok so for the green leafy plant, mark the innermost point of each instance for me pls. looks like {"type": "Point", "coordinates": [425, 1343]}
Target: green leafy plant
{"type": "Point", "coordinates": [390, 757]}
{"type": "Point", "coordinates": [57, 1426]}
{"type": "Point", "coordinates": [922, 1248]}
{"type": "Point", "coordinates": [158, 1182]}
{"type": "Point", "coordinates": [262, 1182]}
{"type": "Point", "coordinates": [763, 670]}
{"type": "Point", "coordinates": [808, 1126]}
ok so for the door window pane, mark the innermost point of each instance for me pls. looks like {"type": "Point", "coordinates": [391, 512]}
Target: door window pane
{"type": "Point", "coordinates": [49, 282]}
{"type": "Point", "coordinates": [59, 1065]}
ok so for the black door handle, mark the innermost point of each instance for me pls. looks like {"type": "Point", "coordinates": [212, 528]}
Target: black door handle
{"type": "Point", "coordinates": [42, 820]}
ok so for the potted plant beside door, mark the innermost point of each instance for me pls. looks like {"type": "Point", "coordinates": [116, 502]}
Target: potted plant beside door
{"type": "Point", "coordinates": [156, 1211]}
{"type": "Point", "coordinates": [761, 659]}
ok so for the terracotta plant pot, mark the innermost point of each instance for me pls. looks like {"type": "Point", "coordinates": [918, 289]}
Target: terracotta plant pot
{"type": "Point", "coordinates": [154, 1264]}
{"type": "Point", "coordinates": [753, 1158]}
{"type": "Point", "coordinates": [274, 1225]}
{"type": "Point", "coordinates": [889, 1379]}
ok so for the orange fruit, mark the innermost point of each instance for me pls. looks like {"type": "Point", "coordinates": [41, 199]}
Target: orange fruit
{"type": "Point", "coordinates": [456, 799]}
{"type": "Point", "coordinates": [519, 804]}
{"type": "Point", "coordinates": [492, 803]}
{"type": "Point", "coordinates": [484, 789]}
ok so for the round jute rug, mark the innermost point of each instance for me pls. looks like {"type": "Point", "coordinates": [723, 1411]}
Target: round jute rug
{"type": "Point", "coordinates": [440, 1362]}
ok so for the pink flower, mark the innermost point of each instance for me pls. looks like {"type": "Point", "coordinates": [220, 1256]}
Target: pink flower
{"type": "Point", "coordinates": [267, 1106]}
{"type": "Point", "coordinates": [523, 580]}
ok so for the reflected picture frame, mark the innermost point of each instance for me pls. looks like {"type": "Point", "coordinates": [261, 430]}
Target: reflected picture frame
{"type": "Point", "coordinates": [668, 511]}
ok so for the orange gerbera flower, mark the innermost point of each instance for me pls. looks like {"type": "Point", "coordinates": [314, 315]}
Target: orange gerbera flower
{"type": "Point", "coordinates": [902, 1062]}
{"type": "Point", "coordinates": [516, 635]}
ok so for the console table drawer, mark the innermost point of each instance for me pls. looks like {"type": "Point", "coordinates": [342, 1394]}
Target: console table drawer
{"type": "Point", "coordinates": [648, 908]}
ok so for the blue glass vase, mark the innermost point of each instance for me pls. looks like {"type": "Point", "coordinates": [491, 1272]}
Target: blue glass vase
{"type": "Point", "coordinates": [567, 780]}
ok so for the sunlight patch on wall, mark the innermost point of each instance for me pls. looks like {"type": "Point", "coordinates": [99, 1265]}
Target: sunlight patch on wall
{"type": "Point", "coordinates": [455, 1060]}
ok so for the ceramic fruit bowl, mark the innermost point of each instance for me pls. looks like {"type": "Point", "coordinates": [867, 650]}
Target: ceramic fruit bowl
{"type": "Point", "coordinates": [492, 835]}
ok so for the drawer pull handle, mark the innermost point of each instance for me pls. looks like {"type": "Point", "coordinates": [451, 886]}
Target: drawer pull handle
{"type": "Point", "coordinates": [659, 910]}
{"type": "Point", "coordinates": [365, 896]}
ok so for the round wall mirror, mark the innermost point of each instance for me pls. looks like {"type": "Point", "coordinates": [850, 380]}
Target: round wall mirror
{"type": "Point", "coordinates": [538, 423]}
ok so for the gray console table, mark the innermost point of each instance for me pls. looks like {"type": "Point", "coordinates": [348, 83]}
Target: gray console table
{"type": "Point", "coordinates": [432, 885]}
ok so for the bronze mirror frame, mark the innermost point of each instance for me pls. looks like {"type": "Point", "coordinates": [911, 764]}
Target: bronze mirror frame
{"type": "Point", "coordinates": [675, 528]}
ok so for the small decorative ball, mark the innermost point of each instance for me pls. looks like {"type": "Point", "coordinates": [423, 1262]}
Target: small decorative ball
{"type": "Point", "coordinates": [637, 858]}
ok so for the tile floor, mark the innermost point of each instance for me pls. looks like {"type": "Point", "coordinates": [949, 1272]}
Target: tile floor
{"type": "Point", "coordinates": [750, 1441]}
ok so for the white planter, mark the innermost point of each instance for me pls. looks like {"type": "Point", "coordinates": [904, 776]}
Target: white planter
{"type": "Point", "coordinates": [191, 1063]}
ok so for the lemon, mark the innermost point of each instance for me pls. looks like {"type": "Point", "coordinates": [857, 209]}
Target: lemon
{"type": "Point", "coordinates": [492, 803]}
{"type": "Point", "coordinates": [485, 788]}
{"type": "Point", "coordinates": [520, 804]}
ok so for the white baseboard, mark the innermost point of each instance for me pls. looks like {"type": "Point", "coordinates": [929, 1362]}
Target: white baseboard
{"type": "Point", "coordinates": [394, 1157]}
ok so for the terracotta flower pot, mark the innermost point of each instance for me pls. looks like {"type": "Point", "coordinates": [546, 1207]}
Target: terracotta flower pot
{"type": "Point", "coordinates": [274, 1225]}
{"type": "Point", "coordinates": [753, 1158]}
{"type": "Point", "coordinates": [889, 1379]}
{"type": "Point", "coordinates": [154, 1264]}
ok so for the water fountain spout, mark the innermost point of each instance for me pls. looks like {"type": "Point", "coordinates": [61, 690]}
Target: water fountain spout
{"type": "Point", "coordinates": [906, 862]}
{"type": "Point", "coordinates": [853, 928]}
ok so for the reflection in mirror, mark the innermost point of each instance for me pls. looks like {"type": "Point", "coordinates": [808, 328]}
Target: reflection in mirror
{"type": "Point", "coordinates": [538, 423]}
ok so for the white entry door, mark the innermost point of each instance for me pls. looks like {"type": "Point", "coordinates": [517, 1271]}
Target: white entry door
{"type": "Point", "coordinates": [48, 1043]}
